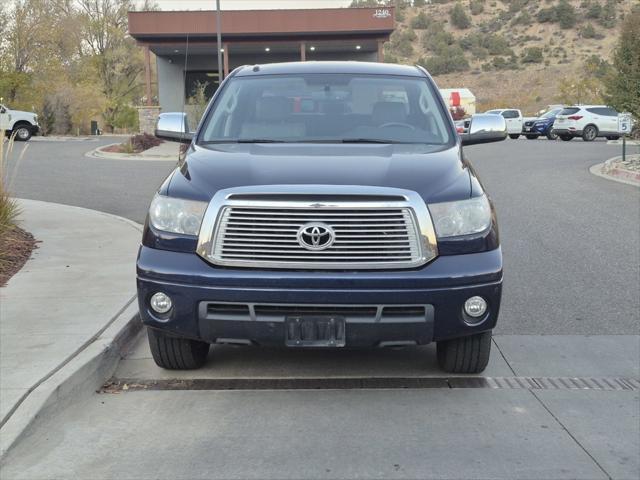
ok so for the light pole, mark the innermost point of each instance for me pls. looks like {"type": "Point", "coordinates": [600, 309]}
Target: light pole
{"type": "Point", "coordinates": [219, 34]}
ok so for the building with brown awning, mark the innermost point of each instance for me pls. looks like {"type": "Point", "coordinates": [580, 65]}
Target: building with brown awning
{"type": "Point", "coordinates": [185, 46]}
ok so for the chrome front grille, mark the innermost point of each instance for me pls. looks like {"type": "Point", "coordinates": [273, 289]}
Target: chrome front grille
{"type": "Point", "coordinates": [351, 233]}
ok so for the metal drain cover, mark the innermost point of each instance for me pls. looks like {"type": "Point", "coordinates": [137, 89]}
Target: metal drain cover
{"type": "Point", "coordinates": [527, 383]}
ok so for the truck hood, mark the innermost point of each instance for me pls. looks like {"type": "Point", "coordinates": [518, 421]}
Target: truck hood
{"type": "Point", "coordinates": [438, 176]}
{"type": "Point", "coordinates": [20, 113]}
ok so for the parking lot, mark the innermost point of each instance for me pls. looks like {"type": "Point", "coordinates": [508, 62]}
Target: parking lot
{"type": "Point", "coordinates": [570, 311]}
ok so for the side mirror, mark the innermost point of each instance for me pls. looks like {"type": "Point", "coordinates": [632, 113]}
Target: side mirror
{"type": "Point", "coordinates": [485, 129]}
{"type": "Point", "coordinates": [174, 126]}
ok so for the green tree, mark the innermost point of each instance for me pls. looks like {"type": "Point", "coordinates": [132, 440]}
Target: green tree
{"type": "Point", "coordinates": [459, 18]}
{"type": "Point", "coordinates": [623, 86]}
{"type": "Point", "coordinates": [115, 57]}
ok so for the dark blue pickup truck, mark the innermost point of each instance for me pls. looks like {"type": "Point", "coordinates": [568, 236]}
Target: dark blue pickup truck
{"type": "Point", "coordinates": [324, 205]}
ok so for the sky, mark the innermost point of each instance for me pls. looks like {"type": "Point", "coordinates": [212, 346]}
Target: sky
{"type": "Point", "coordinates": [248, 4]}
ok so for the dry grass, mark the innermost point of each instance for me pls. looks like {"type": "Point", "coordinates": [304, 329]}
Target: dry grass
{"type": "Point", "coordinates": [15, 244]}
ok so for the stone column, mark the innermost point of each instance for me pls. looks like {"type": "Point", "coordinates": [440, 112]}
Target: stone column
{"type": "Point", "coordinates": [148, 117]}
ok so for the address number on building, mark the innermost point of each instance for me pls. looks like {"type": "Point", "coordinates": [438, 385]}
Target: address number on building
{"type": "Point", "coordinates": [382, 13]}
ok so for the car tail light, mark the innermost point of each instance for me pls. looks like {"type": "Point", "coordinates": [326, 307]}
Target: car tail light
{"type": "Point", "coordinates": [575, 117]}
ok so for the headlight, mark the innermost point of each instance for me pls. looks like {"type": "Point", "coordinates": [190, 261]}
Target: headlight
{"type": "Point", "coordinates": [176, 215]}
{"type": "Point", "coordinates": [452, 219]}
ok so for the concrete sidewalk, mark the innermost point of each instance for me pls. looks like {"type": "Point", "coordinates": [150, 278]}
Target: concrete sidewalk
{"type": "Point", "coordinates": [78, 281]}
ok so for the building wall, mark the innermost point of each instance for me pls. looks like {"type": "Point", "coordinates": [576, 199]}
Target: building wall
{"type": "Point", "coordinates": [171, 69]}
{"type": "Point", "coordinates": [170, 84]}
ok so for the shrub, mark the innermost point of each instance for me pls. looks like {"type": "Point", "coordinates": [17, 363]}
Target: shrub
{"type": "Point", "coordinates": [502, 63]}
{"type": "Point", "coordinates": [458, 17]}
{"type": "Point", "coordinates": [608, 14]}
{"type": "Point", "coordinates": [449, 60]}
{"type": "Point", "coordinates": [546, 15]}
{"type": "Point", "coordinates": [566, 14]}
{"type": "Point", "coordinates": [420, 21]}
{"type": "Point", "coordinates": [144, 141]}
{"type": "Point", "coordinates": [532, 55]}
{"type": "Point", "coordinates": [493, 43]}
{"type": "Point", "coordinates": [436, 38]}
{"type": "Point", "coordinates": [476, 6]}
{"type": "Point", "coordinates": [589, 32]}
{"type": "Point", "coordinates": [523, 19]}
{"type": "Point", "coordinates": [402, 43]}
{"type": "Point", "coordinates": [594, 10]}
{"type": "Point", "coordinates": [419, 3]}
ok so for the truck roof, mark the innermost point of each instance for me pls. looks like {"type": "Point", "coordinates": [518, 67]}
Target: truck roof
{"type": "Point", "coordinates": [368, 68]}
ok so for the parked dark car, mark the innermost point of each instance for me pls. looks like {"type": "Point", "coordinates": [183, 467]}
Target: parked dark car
{"type": "Point", "coordinates": [354, 220]}
{"type": "Point", "coordinates": [541, 126]}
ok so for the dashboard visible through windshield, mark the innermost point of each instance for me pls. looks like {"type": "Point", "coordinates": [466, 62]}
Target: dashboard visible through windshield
{"type": "Point", "coordinates": [327, 108]}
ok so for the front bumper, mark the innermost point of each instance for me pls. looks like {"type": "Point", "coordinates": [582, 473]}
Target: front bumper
{"type": "Point", "coordinates": [535, 130]}
{"type": "Point", "coordinates": [441, 288]}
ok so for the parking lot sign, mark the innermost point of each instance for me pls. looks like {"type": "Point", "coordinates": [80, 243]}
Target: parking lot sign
{"type": "Point", "coordinates": [624, 123]}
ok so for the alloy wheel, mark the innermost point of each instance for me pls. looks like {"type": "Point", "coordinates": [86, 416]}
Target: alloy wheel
{"type": "Point", "coordinates": [23, 133]}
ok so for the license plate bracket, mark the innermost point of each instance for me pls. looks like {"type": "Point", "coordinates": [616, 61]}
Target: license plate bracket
{"type": "Point", "coordinates": [315, 331]}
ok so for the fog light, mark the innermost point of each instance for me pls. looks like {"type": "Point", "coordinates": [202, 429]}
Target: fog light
{"type": "Point", "coordinates": [160, 303]}
{"type": "Point", "coordinates": [475, 307]}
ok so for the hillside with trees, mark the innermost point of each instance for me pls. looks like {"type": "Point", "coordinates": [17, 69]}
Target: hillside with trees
{"type": "Point", "coordinates": [522, 53]}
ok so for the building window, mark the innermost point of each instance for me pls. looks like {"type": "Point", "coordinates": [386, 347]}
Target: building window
{"type": "Point", "coordinates": [197, 79]}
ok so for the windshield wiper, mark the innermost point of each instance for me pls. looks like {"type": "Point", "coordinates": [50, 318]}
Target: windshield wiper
{"type": "Point", "coordinates": [242, 140]}
{"type": "Point", "coordinates": [368, 140]}
{"type": "Point", "coordinates": [259, 140]}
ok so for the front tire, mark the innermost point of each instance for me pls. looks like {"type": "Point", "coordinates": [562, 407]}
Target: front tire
{"type": "Point", "coordinates": [532, 137]}
{"type": "Point", "coordinates": [465, 354]}
{"type": "Point", "coordinates": [514, 136]}
{"type": "Point", "coordinates": [551, 135]}
{"type": "Point", "coordinates": [566, 138]}
{"type": "Point", "coordinates": [174, 353]}
{"type": "Point", "coordinates": [613, 137]}
{"type": "Point", "coordinates": [22, 133]}
{"type": "Point", "coordinates": [589, 133]}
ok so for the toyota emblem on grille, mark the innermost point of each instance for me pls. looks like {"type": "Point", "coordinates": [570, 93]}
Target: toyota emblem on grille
{"type": "Point", "coordinates": [316, 236]}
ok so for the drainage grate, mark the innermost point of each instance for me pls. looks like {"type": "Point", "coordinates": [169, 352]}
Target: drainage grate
{"type": "Point", "coordinates": [497, 383]}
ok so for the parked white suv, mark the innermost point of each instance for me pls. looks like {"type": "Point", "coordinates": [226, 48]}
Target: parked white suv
{"type": "Point", "coordinates": [513, 118]}
{"type": "Point", "coordinates": [588, 122]}
{"type": "Point", "coordinates": [23, 124]}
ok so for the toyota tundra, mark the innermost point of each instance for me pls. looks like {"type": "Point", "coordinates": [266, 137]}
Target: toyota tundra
{"type": "Point", "coordinates": [323, 205]}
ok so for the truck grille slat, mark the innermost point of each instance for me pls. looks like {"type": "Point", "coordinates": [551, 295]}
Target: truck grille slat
{"type": "Point", "coordinates": [269, 237]}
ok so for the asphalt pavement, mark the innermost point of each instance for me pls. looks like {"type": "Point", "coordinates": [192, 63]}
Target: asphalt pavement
{"type": "Point", "coordinates": [569, 238]}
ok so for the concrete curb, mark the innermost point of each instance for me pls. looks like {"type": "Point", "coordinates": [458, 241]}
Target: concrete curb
{"type": "Point", "coordinates": [605, 170]}
{"type": "Point", "coordinates": [102, 155]}
{"type": "Point", "coordinates": [84, 371]}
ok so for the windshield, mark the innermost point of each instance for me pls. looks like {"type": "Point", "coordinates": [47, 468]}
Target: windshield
{"type": "Point", "coordinates": [551, 113]}
{"type": "Point", "coordinates": [327, 108]}
{"type": "Point", "coordinates": [493, 112]}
